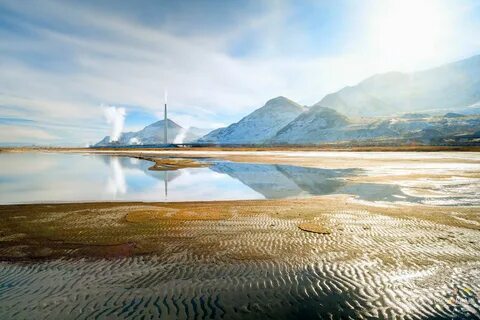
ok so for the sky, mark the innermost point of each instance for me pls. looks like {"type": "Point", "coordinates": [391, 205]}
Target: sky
{"type": "Point", "coordinates": [63, 63]}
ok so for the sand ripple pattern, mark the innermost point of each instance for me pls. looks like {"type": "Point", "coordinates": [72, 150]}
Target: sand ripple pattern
{"type": "Point", "coordinates": [370, 267]}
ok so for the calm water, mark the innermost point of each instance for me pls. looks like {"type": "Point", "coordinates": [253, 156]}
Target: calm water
{"type": "Point", "coordinates": [49, 177]}
{"type": "Point", "coordinates": [57, 177]}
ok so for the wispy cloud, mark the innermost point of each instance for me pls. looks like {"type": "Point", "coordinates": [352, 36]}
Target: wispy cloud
{"type": "Point", "coordinates": [22, 135]}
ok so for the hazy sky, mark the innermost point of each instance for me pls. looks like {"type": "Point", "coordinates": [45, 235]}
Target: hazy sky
{"type": "Point", "coordinates": [62, 60]}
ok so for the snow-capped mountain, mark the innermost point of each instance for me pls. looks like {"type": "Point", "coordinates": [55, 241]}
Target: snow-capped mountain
{"type": "Point", "coordinates": [311, 126]}
{"type": "Point", "coordinates": [259, 126]}
{"type": "Point", "coordinates": [454, 85]}
{"type": "Point", "coordinates": [153, 134]}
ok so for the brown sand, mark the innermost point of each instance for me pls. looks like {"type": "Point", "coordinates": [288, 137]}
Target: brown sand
{"type": "Point", "coordinates": [117, 229]}
{"type": "Point", "coordinates": [314, 227]}
{"type": "Point", "coordinates": [170, 164]}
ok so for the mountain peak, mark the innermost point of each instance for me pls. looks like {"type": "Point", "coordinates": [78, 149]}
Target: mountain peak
{"type": "Point", "coordinates": [281, 101]}
{"type": "Point", "coordinates": [277, 100]}
{"type": "Point", "coordinates": [160, 123]}
{"type": "Point", "coordinates": [260, 125]}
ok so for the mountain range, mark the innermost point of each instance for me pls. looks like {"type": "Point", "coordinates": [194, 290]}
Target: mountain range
{"type": "Point", "coordinates": [434, 106]}
{"type": "Point", "coordinates": [454, 85]}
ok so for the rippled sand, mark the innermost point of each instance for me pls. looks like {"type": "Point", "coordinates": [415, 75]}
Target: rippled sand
{"type": "Point", "coordinates": [238, 259]}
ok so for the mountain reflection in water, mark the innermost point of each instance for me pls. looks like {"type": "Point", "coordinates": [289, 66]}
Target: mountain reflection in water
{"type": "Point", "coordinates": [49, 177]}
{"type": "Point", "coordinates": [284, 181]}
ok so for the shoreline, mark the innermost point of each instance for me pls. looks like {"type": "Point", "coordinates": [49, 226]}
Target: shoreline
{"type": "Point", "coordinates": [259, 148]}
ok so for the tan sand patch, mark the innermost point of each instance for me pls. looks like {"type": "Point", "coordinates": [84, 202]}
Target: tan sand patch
{"type": "Point", "coordinates": [169, 164]}
{"type": "Point", "coordinates": [145, 215]}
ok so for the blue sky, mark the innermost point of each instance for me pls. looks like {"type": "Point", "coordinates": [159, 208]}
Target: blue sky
{"type": "Point", "coordinates": [62, 60]}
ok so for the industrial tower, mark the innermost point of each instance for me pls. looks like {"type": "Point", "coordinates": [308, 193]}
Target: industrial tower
{"type": "Point", "coordinates": [165, 123]}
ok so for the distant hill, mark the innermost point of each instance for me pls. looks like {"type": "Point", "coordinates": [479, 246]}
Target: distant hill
{"type": "Point", "coordinates": [260, 125]}
{"type": "Point", "coordinates": [431, 130]}
{"type": "Point", "coordinates": [450, 86]}
{"type": "Point", "coordinates": [153, 134]}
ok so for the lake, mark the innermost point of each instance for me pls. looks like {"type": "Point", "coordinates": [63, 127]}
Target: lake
{"type": "Point", "coordinates": [66, 177]}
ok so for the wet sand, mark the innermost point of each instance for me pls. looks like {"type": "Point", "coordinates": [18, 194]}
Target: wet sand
{"type": "Point", "coordinates": [241, 259]}
{"type": "Point", "coordinates": [172, 164]}
{"type": "Point", "coordinates": [83, 229]}
{"type": "Point", "coordinates": [79, 230]}
{"type": "Point", "coordinates": [329, 256]}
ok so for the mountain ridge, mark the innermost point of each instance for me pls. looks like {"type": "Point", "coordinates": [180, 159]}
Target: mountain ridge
{"type": "Point", "coordinates": [453, 85]}
{"type": "Point", "coordinates": [258, 126]}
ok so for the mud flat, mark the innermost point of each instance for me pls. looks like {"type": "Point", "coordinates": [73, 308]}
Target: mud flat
{"type": "Point", "coordinates": [172, 164]}
{"type": "Point", "coordinates": [238, 259]}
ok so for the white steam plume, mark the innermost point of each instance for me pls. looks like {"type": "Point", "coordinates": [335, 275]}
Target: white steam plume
{"type": "Point", "coordinates": [115, 117]}
{"type": "Point", "coordinates": [180, 138]}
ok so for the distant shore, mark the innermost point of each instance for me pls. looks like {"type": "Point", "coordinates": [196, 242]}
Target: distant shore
{"type": "Point", "coordinates": [262, 148]}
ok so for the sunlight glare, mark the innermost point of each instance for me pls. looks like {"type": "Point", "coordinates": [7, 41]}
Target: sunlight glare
{"type": "Point", "coordinates": [409, 31]}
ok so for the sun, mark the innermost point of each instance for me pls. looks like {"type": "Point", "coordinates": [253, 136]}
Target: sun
{"type": "Point", "coordinates": [410, 31]}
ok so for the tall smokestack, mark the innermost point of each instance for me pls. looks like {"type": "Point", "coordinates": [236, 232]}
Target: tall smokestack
{"type": "Point", "coordinates": [165, 123]}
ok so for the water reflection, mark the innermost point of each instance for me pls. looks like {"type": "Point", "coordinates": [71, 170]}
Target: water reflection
{"type": "Point", "coordinates": [284, 181]}
{"type": "Point", "coordinates": [116, 181]}
{"type": "Point", "coordinates": [74, 177]}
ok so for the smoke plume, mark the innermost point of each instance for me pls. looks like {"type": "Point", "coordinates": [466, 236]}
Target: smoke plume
{"type": "Point", "coordinates": [116, 118]}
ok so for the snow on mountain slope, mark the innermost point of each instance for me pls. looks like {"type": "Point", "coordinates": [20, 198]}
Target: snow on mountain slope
{"type": "Point", "coordinates": [259, 126]}
{"type": "Point", "coordinates": [309, 126]}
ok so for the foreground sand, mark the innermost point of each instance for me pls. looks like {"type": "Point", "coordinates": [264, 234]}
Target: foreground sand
{"type": "Point", "coordinates": [324, 257]}
{"type": "Point", "coordinates": [125, 229]}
